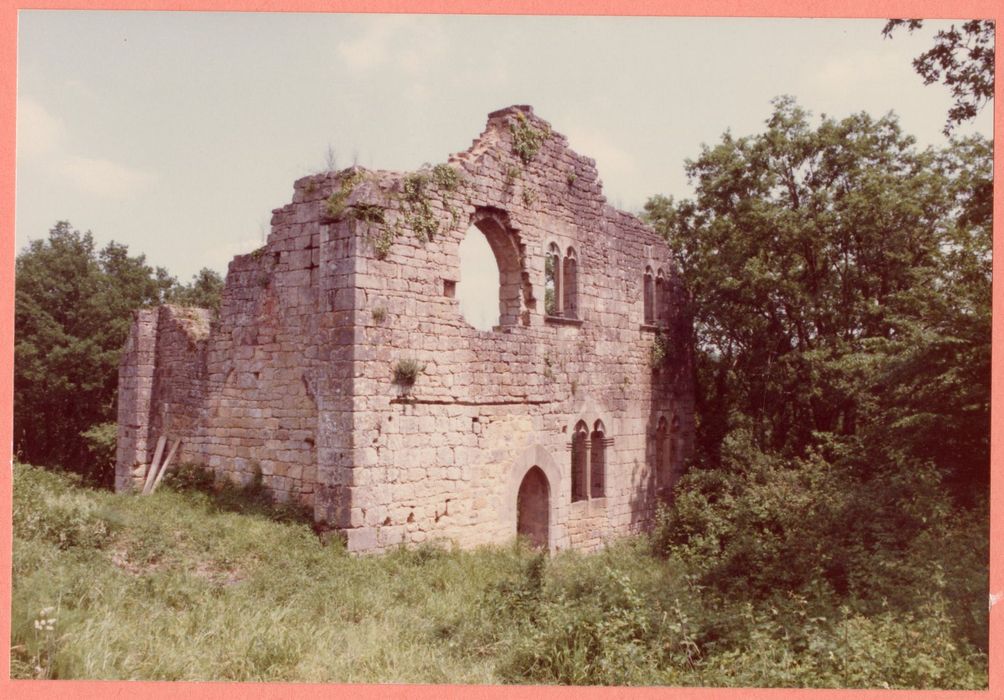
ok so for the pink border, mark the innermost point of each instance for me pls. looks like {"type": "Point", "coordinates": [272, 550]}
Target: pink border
{"type": "Point", "coordinates": [749, 8]}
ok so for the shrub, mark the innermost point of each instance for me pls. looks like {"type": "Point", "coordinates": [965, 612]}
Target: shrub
{"type": "Point", "coordinates": [611, 619]}
{"type": "Point", "coordinates": [101, 440]}
{"type": "Point", "coordinates": [760, 523]}
{"type": "Point", "coordinates": [846, 650]}
{"type": "Point", "coordinates": [406, 371]}
{"type": "Point", "coordinates": [445, 177]}
{"type": "Point", "coordinates": [526, 140]}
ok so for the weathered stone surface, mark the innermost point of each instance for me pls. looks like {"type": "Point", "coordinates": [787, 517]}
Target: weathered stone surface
{"type": "Point", "coordinates": [296, 378]}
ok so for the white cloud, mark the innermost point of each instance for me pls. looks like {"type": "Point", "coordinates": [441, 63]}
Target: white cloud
{"type": "Point", "coordinates": [38, 132]}
{"type": "Point", "coordinates": [394, 41]}
{"type": "Point", "coordinates": [102, 177]}
{"type": "Point", "coordinates": [372, 47]}
{"type": "Point", "coordinates": [42, 139]}
{"type": "Point", "coordinates": [611, 161]}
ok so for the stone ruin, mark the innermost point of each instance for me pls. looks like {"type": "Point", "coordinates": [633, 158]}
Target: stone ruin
{"type": "Point", "coordinates": [342, 373]}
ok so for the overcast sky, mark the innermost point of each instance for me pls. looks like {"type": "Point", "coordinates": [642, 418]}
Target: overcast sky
{"type": "Point", "coordinates": [178, 133]}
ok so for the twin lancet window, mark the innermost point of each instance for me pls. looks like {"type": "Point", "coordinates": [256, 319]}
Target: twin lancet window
{"type": "Point", "coordinates": [655, 297]}
{"type": "Point", "coordinates": [560, 282]}
{"type": "Point", "coordinates": [589, 461]}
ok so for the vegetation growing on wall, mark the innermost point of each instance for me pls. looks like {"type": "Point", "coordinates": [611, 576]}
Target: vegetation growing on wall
{"type": "Point", "coordinates": [406, 371]}
{"type": "Point", "coordinates": [526, 139]}
{"type": "Point", "coordinates": [337, 203]}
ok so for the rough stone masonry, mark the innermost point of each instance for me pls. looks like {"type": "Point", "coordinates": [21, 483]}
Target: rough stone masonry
{"type": "Point", "coordinates": [341, 372]}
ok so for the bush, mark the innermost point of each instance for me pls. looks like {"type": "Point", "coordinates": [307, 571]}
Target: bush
{"type": "Point", "coordinates": [608, 619]}
{"type": "Point", "coordinates": [759, 523]}
{"type": "Point", "coordinates": [846, 650]}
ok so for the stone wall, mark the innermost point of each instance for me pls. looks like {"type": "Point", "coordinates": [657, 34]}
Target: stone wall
{"type": "Point", "coordinates": [302, 373]}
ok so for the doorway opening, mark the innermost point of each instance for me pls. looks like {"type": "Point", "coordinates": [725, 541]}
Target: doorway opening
{"type": "Point", "coordinates": [532, 502]}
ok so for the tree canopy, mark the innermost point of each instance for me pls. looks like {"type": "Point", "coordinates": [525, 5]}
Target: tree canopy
{"type": "Point", "coordinates": [841, 288]}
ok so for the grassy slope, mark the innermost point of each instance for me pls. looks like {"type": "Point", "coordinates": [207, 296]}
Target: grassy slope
{"type": "Point", "coordinates": [182, 585]}
{"type": "Point", "coordinates": [173, 586]}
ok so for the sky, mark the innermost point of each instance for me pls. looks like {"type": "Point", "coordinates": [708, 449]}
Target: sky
{"type": "Point", "coordinates": [178, 133]}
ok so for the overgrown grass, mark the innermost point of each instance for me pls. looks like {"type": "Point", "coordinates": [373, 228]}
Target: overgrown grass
{"type": "Point", "coordinates": [193, 584]}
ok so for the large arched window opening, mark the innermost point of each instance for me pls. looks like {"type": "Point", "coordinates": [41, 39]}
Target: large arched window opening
{"type": "Point", "coordinates": [478, 287]}
{"type": "Point", "coordinates": [500, 277]}
{"type": "Point", "coordinates": [649, 297]}
{"type": "Point", "coordinates": [552, 281]}
{"type": "Point", "coordinates": [569, 282]}
{"type": "Point", "coordinates": [597, 461]}
{"type": "Point", "coordinates": [580, 439]}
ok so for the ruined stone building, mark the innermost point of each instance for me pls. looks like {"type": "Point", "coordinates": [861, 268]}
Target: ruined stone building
{"type": "Point", "coordinates": [341, 369]}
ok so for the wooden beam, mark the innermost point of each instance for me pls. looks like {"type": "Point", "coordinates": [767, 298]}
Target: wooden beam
{"type": "Point", "coordinates": [152, 471]}
{"type": "Point", "coordinates": [166, 464]}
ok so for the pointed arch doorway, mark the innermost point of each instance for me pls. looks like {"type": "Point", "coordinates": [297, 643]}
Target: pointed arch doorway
{"type": "Point", "coordinates": [532, 508]}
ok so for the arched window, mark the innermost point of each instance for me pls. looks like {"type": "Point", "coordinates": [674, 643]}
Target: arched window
{"type": "Point", "coordinates": [660, 299]}
{"type": "Point", "coordinates": [597, 461]}
{"type": "Point", "coordinates": [661, 453]}
{"type": "Point", "coordinates": [568, 285]}
{"type": "Point", "coordinates": [579, 468]}
{"type": "Point", "coordinates": [512, 291]}
{"type": "Point", "coordinates": [478, 288]}
{"type": "Point", "coordinates": [649, 299]}
{"type": "Point", "coordinates": [552, 281]}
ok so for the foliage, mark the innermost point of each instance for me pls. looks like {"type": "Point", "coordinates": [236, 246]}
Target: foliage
{"type": "Point", "coordinates": [72, 312]}
{"type": "Point", "coordinates": [203, 581]}
{"type": "Point", "coordinates": [840, 290]}
{"type": "Point", "coordinates": [445, 177]}
{"type": "Point", "coordinates": [419, 215]}
{"type": "Point", "coordinates": [337, 202]}
{"type": "Point", "coordinates": [839, 281]}
{"type": "Point", "coordinates": [512, 174]}
{"type": "Point", "coordinates": [48, 509]}
{"type": "Point", "coordinates": [550, 275]}
{"type": "Point", "coordinates": [962, 59]}
{"type": "Point", "coordinates": [659, 350]}
{"type": "Point", "coordinates": [204, 291]}
{"type": "Point", "coordinates": [526, 140]}
{"type": "Point", "coordinates": [407, 370]}
{"type": "Point", "coordinates": [101, 443]}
